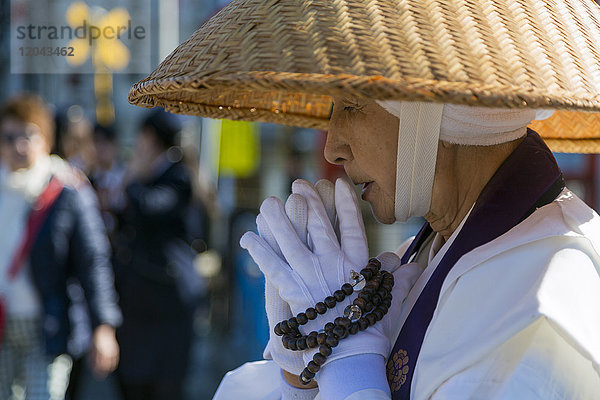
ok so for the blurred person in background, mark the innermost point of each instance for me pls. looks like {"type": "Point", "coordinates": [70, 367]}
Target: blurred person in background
{"type": "Point", "coordinates": [156, 280]}
{"type": "Point", "coordinates": [107, 176]}
{"type": "Point", "coordinates": [76, 141]}
{"type": "Point", "coordinates": [51, 233]}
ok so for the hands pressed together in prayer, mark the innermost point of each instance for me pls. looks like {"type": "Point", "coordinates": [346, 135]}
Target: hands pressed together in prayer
{"type": "Point", "coordinates": [306, 250]}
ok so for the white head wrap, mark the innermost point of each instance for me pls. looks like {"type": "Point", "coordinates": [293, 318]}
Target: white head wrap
{"type": "Point", "coordinates": [422, 125]}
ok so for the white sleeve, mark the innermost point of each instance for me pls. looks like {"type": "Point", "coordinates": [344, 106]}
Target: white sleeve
{"type": "Point", "coordinates": [369, 394]}
{"type": "Point", "coordinates": [346, 377]}
{"type": "Point", "coordinates": [259, 380]}
{"type": "Point", "coordinates": [536, 364]}
{"type": "Point", "coordinates": [550, 342]}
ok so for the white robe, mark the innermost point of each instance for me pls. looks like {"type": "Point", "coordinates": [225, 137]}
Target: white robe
{"type": "Point", "coordinates": [517, 318]}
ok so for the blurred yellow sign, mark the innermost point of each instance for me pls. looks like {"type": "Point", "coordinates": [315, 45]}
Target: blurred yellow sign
{"type": "Point", "coordinates": [102, 38]}
{"type": "Point", "coordinates": [239, 148]}
{"type": "Point", "coordinates": [101, 41]}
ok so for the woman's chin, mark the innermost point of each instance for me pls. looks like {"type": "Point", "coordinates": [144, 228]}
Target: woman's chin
{"type": "Point", "coordinates": [383, 214]}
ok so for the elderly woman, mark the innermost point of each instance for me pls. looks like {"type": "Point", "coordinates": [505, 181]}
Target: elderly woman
{"type": "Point", "coordinates": [497, 296]}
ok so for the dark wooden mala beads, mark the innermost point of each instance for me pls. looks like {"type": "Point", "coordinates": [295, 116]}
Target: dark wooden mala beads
{"type": "Point", "coordinates": [374, 299]}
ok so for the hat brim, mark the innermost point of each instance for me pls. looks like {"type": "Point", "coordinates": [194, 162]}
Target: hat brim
{"type": "Point", "coordinates": [570, 132]}
{"type": "Point", "coordinates": [305, 99]}
{"type": "Point", "coordinates": [283, 61]}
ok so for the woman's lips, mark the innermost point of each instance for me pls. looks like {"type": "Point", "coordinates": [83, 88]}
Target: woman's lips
{"type": "Point", "coordinates": [365, 190]}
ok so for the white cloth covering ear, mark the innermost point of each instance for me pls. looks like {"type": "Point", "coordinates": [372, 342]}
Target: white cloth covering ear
{"type": "Point", "coordinates": [418, 137]}
{"type": "Point", "coordinates": [422, 125]}
{"type": "Point", "coordinates": [483, 126]}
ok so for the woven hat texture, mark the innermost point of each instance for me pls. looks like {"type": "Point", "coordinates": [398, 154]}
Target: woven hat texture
{"type": "Point", "coordinates": [571, 132]}
{"type": "Point", "coordinates": [283, 60]}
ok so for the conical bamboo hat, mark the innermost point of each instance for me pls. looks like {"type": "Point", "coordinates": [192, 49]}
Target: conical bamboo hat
{"type": "Point", "coordinates": [283, 60]}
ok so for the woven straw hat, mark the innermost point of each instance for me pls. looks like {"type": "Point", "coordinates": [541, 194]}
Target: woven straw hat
{"type": "Point", "coordinates": [283, 60]}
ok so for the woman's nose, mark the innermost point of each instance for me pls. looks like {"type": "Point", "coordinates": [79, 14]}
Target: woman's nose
{"type": "Point", "coordinates": [337, 150]}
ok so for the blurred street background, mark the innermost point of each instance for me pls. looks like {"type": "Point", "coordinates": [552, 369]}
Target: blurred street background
{"type": "Point", "coordinates": [235, 166]}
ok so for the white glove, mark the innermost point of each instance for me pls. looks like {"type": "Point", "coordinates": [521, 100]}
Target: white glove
{"type": "Point", "coordinates": [303, 266]}
{"type": "Point", "coordinates": [306, 279]}
{"type": "Point", "coordinates": [311, 274]}
{"type": "Point", "coordinates": [278, 310]}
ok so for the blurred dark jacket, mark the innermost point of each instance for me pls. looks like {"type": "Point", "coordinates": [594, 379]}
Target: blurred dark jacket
{"type": "Point", "coordinates": [72, 243]}
{"type": "Point", "coordinates": [156, 334]}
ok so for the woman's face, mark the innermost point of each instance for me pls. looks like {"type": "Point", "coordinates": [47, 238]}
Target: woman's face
{"type": "Point", "coordinates": [21, 144]}
{"type": "Point", "coordinates": [363, 137]}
